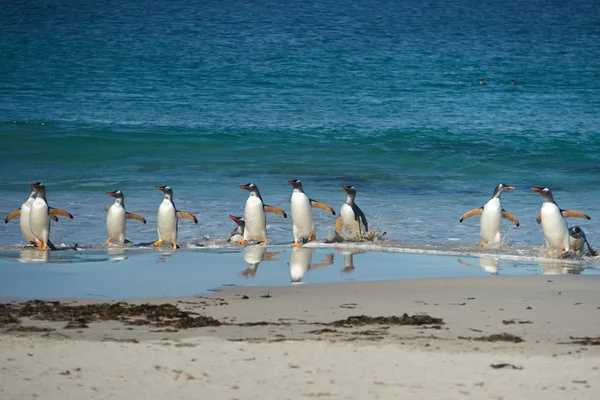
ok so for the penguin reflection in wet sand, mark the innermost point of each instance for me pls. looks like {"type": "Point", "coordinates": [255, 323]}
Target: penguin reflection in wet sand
{"type": "Point", "coordinates": [39, 217]}
{"type": "Point", "coordinates": [351, 218]}
{"type": "Point", "coordinates": [301, 262]}
{"type": "Point", "coordinates": [303, 222]}
{"type": "Point", "coordinates": [116, 220]}
{"type": "Point", "coordinates": [554, 223]}
{"type": "Point", "coordinates": [491, 216]}
{"type": "Point", "coordinates": [23, 214]}
{"type": "Point", "coordinates": [255, 218]}
{"type": "Point", "coordinates": [578, 240]}
{"type": "Point", "coordinates": [168, 217]}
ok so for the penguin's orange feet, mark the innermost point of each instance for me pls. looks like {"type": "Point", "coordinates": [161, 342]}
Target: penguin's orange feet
{"type": "Point", "coordinates": [242, 241]}
{"type": "Point", "coordinates": [174, 245]}
{"type": "Point", "coordinates": [109, 240]}
{"type": "Point", "coordinates": [42, 246]}
{"type": "Point", "coordinates": [483, 243]}
{"type": "Point", "coordinates": [313, 237]}
{"type": "Point", "coordinates": [296, 244]}
{"type": "Point", "coordinates": [158, 243]}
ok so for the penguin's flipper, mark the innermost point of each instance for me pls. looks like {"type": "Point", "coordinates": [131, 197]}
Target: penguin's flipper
{"type": "Point", "coordinates": [322, 206]}
{"type": "Point", "coordinates": [187, 215]}
{"type": "Point", "coordinates": [338, 225]}
{"type": "Point", "coordinates": [13, 214]}
{"type": "Point", "coordinates": [106, 208]}
{"type": "Point", "coordinates": [135, 216]}
{"type": "Point", "coordinates": [326, 262]}
{"type": "Point", "coordinates": [539, 219]}
{"type": "Point", "coordinates": [510, 217]}
{"type": "Point", "coordinates": [472, 213]}
{"type": "Point", "coordinates": [51, 246]}
{"type": "Point", "coordinates": [574, 214]}
{"type": "Point", "coordinates": [276, 210]}
{"type": "Point", "coordinates": [60, 211]}
{"type": "Point", "coordinates": [53, 217]}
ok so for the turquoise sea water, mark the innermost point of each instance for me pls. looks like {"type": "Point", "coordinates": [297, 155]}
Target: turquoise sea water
{"type": "Point", "coordinates": [382, 95]}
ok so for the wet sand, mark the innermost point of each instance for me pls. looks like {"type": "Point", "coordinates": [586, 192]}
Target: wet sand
{"type": "Point", "coordinates": [481, 337]}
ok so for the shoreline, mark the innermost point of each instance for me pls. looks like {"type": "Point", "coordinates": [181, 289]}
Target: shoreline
{"type": "Point", "coordinates": [271, 340]}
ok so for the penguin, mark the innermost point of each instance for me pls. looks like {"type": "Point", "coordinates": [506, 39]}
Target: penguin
{"type": "Point", "coordinates": [238, 233]}
{"type": "Point", "coordinates": [301, 262]}
{"type": "Point", "coordinates": [351, 218]}
{"type": "Point", "coordinates": [168, 216]}
{"type": "Point", "coordinates": [578, 240]}
{"type": "Point", "coordinates": [255, 218]}
{"type": "Point", "coordinates": [23, 214]}
{"type": "Point", "coordinates": [554, 223]}
{"type": "Point", "coordinates": [39, 217]}
{"type": "Point", "coordinates": [302, 219]}
{"type": "Point", "coordinates": [116, 220]}
{"type": "Point", "coordinates": [491, 216]}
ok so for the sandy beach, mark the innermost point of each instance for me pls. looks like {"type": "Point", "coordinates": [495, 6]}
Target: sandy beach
{"type": "Point", "coordinates": [475, 338]}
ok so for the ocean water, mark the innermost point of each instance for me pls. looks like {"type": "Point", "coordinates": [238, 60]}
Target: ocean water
{"type": "Point", "coordinates": [382, 95]}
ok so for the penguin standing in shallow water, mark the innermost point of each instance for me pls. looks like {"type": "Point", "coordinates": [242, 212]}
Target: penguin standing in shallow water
{"type": "Point", "coordinates": [491, 216]}
{"type": "Point", "coordinates": [303, 222]}
{"type": "Point", "coordinates": [237, 234]}
{"type": "Point", "coordinates": [351, 218]}
{"type": "Point", "coordinates": [168, 217]}
{"type": "Point", "coordinates": [554, 223]}
{"type": "Point", "coordinates": [116, 220]}
{"type": "Point", "coordinates": [23, 214]}
{"type": "Point", "coordinates": [39, 217]}
{"type": "Point", "coordinates": [255, 218]}
{"type": "Point", "coordinates": [578, 240]}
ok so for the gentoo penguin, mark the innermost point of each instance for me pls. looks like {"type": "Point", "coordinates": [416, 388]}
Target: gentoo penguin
{"type": "Point", "coordinates": [168, 216]}
{"type": "Point", "coordinates": [351, 218]}
{"type": "Point", "coordinates": [116, 220]}
{"type": "Point", "coordinates": [302, 219]}
{"type": "Point", "coordinates": [23, 213]}
{"type": "Point", "coordinates": [554, 223]}
{"type": "Point", "coordinates": [301, 262]}
{"type": "Point", "coordinates": [254, 216]}
{"type": "Point", "coordinates": [491, 216]}
{"type": "Point", "coordinates": [578, 240]}
{"type": "Point", "coordinates": [39, 217]}
{"type": "Point", "coordinates": [237, 234]}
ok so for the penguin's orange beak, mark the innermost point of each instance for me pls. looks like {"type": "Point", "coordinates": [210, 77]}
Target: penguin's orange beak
{"type": "Point", "coordinates": [244, 187]}
{"type": "Point", "coordinates": [536, 189]}
{"type": "Point", "coordinates": [233, 218]}
{"type": "Point", "coordinates": [509, 187]}
{"type": "Point", "coordinates": [161, 188]}
{"type": "Point", "coordinates": [113, 194]}
{"type": "Point", "coordinates": [345, 187]}
{"type": "Point", "coordinates": [292, 182]}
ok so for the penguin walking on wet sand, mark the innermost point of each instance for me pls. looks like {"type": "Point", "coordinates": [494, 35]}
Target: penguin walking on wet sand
{"type": "Point", "coordinates": [116, 220]}
{"type": "Point", "coordinates": [578, 240]}
{"type": "Point", "coordinates": [39, 217]}
{"type": "Point", "coordinates": [23, 214]}
{"type": "Point", "coordinates": [255, 218]}
{"type": "Point", "coordinates": [237, 234]}
{"type": "Point", "coordinates": [303, 222]}
{"type": "Point", "coordinates": [491, 216]}
{"type": "Point", "coordinates": [351, 218]}
{"type": "Point", "coordinates": [554, 223]}
{"type": "Point", "coordinates": [168, 217]}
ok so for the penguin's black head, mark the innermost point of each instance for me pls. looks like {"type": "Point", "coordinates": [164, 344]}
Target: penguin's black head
{"type": "Point", "coordinates": [576, 232]}
{"type": "Point", "coordinates": [501, 188]}
{"type": "Point", "coordinates": [296, 183]}
{"type": "Point", "coordinates": [545, 192]}
{"type": "Point", "coordinates": [248, 186]}
{"type": "Point", "coordinates": [116, 194]}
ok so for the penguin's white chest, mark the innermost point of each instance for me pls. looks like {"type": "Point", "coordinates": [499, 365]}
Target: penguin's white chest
{"type": "Point", "coordinates": [255, 219]}
{"type": "Point", "coordinates": [555, 227]}
{"type": "Point", "coordinates": [116, 222]}
{"type": "Point", "coordinates": [302, 217]}
{"type": "Point", "coordinates": [300, 261]}
{"type": "Point", "coordinates": [167, 222]}
{"type": "Point", "coordinates": [39, 220]}
{"type": "Point", "coordinates": [576, 244]}
{"type": "Point", "coordinates": [491, 219]}
{"type": "Point", "coordinates": [349, 220]}
{"type": "Point", "coordinates": [24, 221]}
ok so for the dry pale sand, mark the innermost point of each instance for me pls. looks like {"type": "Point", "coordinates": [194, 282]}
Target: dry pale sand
{"type": "Point", "coordinates": [280, 343]}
